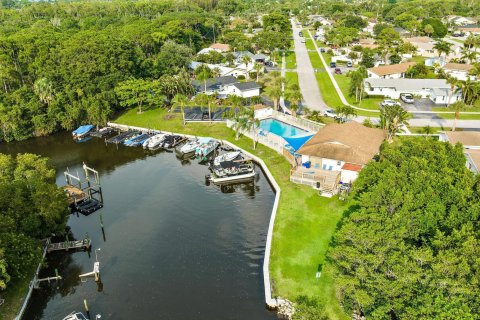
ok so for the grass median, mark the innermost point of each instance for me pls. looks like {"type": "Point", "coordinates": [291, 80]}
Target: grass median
{"type": "Point", "coordinates": [305, 221]}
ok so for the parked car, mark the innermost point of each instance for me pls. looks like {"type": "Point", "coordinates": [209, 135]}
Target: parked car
{"type": "Point", "coordinates": [300, 34]}
{"type": "Point", "coordinates": [349, 64]}
{"type": "Point", "coordinates": [338, 71]}
{"type": "Point", "coordinates": [407, 98]}
{"type": "Point", "coordinates": [303, 40]}
{"type": "Point", "coordinates": [269, 63]}
{"type": "Point", "coordinates": [389, 103]}
{"type": "Point", "coordinates": [322, 50]}
{"type": "Point", "coordinates": [333, 65]}
{"type": "Point", "coordinates": [330, 113]}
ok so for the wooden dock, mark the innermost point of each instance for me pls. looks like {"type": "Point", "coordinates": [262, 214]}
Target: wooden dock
{"type": "Point", "coordinates": [67, 245]}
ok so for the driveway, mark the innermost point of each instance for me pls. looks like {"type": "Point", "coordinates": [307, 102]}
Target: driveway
{"type": "Point", "coordinates": [306, 76]}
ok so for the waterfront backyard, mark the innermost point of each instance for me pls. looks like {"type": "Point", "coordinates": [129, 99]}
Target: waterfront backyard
{"type": "Point", "coordinates": [305, 221]}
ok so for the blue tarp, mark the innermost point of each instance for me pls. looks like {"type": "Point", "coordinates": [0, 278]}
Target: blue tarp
{"type": "Point", "coordinates": [83, 129]}
{"type": "Point", "coordinates": [296, 142]}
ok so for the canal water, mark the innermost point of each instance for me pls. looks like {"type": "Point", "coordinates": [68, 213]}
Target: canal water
{"type": "Point", "coordinates": [173, 248]}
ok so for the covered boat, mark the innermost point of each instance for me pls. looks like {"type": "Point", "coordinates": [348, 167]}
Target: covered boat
{"type": "Point", "coordinates": [229, 171]}
{"type": "Point", "coordinates": [154, 142]}
{"type": "Point", "coordinates": [82, 131]}
{"type": "Point", "coordinates": [172, 140]}
{"type": "Point", "coordinates": [229, 156]}
{"type": "Point", "coordinates": [189, 147]}
{"type": "Point", "coordinates": [205, 147]}
{"type": "Point", "coordinates": [103, 132]}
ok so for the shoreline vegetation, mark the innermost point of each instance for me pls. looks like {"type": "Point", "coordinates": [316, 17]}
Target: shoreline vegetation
{"type": "Point", "coordinates": [304, 225]}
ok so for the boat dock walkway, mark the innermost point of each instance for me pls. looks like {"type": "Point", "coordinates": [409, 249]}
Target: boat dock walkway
{"type": "Point", "coordinates": [68, 245]}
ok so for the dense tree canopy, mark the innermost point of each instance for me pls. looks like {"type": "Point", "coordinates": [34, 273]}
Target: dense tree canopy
{"type": "Point", "coordinates": [32, 207]}
{"type": "Point", "coordinates": [60, 62]}
{"type": "Point", "coordinates": [408, 247]}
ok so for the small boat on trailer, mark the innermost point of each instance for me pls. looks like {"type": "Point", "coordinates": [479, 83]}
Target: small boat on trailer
{"type": "Point", "coordinates": [75, 316]}
{"type": "Point", "coordinates": [189, 147]}
{"type": "Point", "coordinates": [103, 132]}
{"type": "Point", "coordinates": [137, 140]}
{"type": "Point", "coordinates": [229, 171]}
{"type": "Point", "coordinates": [229, 156]}
{"type": "Point", "coordinates": [82, 132]}
{"type": "Point", "coordinates": [205, 147]}
{"type": "Point", "coordinates": [154, 142]}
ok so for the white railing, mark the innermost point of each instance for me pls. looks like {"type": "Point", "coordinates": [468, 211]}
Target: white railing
{"type": "Point", "coordinates": [299, 122]}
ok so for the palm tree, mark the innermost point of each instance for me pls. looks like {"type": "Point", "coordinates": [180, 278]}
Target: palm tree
{"type": "Point", "coordinates": [427, 130]}
{"type": "Point", "coordinates": [452, 81]}
{"type": "Point", "coordinates": [443, 47]}
{"type": "Point", "coordinates": [357, 82]}
{"type": "Point", "coordinates": [216, 72]}
{"type": "Point", "coordinates": [258, 67]}
{"type": "Point", "coordinates": [345, 112]}
{"type": "Point", "coordinates": [43, 88]}
{"type": "Point", "coordinates": [246, 59]}
{"type": "Point", "coordinates": [428, 29]}
{"type": "Point", "coordinates": [392, 118]}
{"type": "Point", "coordinates": [235, 102]}
{"type": "Point", "coordinates": [475, 71]}
{"type": "Point", "coordinates": [468, 55]}
{"type": "Point", "coordinates": [274, 87]}
{"type": "Point", "coordinates": [457, 106]}
{"type": "Point", "coordinates": [294, 95]}
{"type": "Point", "coordinates": [469, 89]}
{"type": "Point", "coordinates": [203, 73]}
{"type": "Point", "coordinates": [209, 101]}
{"type": "Point", "coordinates": [181, 101]}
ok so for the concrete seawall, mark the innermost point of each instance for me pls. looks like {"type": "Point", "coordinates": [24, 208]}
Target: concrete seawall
{"type": "Point", "coordinates": [271, 302]}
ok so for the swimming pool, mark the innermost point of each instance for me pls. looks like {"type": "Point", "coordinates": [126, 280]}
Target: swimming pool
{"type": "Point", "coordinates": [280, 128]}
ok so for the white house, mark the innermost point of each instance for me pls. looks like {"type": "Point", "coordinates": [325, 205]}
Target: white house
{"type": "Point", "coordinates": [438, 90]}
{"type": "Point", "coordinates": [340, 151]}
{"type": "Point", "coordinates": [471, 144]}
{"type": "Point", "coordinates": [225, 86]}
{"type": "Point", "coordinates": [424, 46]}
{"type": "Point", "coordinates": [459, 71]}
{"type": "Point", "coordinates": [392, 71]}
{"type": "Point", "coordinates": [460, 21]}
{"type": "Point", "coordinates": [238, 70]}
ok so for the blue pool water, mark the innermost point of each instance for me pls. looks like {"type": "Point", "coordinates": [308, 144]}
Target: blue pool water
{"type": "Point", "coordinates": [280, 128]}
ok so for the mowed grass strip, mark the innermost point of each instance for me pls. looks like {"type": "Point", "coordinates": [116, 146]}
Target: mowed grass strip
{"type": "Point", "coordinates": [304, 225]}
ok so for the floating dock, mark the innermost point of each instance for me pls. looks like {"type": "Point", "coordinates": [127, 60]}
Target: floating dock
{"type": "Point", "coordinates": [69, 245]}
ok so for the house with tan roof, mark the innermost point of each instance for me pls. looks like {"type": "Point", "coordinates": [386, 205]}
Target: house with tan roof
{"type": "Point", "coordinates": [220, 47]}
{"type": "Point", "coordinates": [459, 71]}
{"type": "Point", "coordinates": [392, 71]}
{"type": "Point", "coordinates": [336, 154]}
{"type": "Point", "coordinates": [471, 146]}
{"type": "Point", "coordinates": [424, 46]}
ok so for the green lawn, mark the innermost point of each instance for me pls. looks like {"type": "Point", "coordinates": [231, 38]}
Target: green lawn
{"type": "Point", "coordinates": [290, 60]}
{"type": "Point", "coordinates": [462, 115]}
{"type": "Point", "coordinates": [309, 43]}
{"type": "Point", "coordinates": [367, 103]}
{"type": "Point", "coordinates": [291, 77]}
{"type": "Point", "coordinates": [417, 59]}
{"type": "Point", "coordinates": [305, 221]}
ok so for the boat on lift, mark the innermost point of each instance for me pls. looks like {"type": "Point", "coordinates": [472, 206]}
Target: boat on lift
{"type": "Point", "coordinates": [154, 142]}
{"type": "Point", "coordinates": [229, 171]}
{"type": "Point", "coordinates": [103, 132]}
{"type": "Point", "coordinates": [229, 156]}
{"type": "Point", "coordinates": [205, 147]}
{"type": "Point", "coordinates": [172, 140]}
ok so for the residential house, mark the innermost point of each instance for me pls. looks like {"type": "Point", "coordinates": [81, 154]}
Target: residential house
{"type": "Point", "coordinates": [392, 71]}
{"type": "Point", "coordinates": [368, 43]}
{"type": "Point", "coordinates": [424, 46]}
{"type": "Point", "coordinates": [437, 90]}
{"type": "Point", "coordinates": [336, 154]}
{"type": "Point", "coordinates": [220, 47]}
{"type": "Point", "coordinates": [471, 144]}
{"type": "Point", "coordinates": [371, 23]}
{"type": "Point", "coordinates": [460, 21]}
{"type": "Point", "coordinates": [238, 70]}
{"type": "Point", "coordinates": [402, 32]}
{"type": "Point", "coordinates": [257, 58]}
{"type": "Point", "coordinates": [472, 29]}
{"type": "Point", "coordinates": [225, 86]}
{"type": "Point", "coordinates": [459, 71]}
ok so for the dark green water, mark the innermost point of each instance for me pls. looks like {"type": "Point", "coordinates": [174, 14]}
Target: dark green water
{"type": "Point", "coordinates": [174, 248]}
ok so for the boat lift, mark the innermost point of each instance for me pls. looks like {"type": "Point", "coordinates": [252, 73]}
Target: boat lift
{"type": "Point", "coordinates": [80, 190]}
{"type": "Point", "coordinates": [36, 284]}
